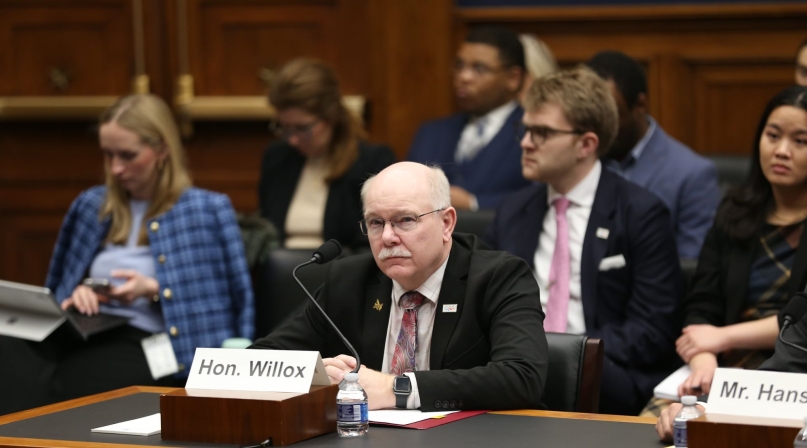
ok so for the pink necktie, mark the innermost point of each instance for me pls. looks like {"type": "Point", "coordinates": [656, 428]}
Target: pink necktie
{"type": "Point", "coordinates": [557, 308]}
{"type": "Point", "coordinates": [403, 360]}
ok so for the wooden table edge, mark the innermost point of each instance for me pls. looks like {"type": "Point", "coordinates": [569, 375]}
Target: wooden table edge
{"type": "Point", "coordinates": [580, 416]}
{"type": "Point", "coordinates": [71, 404]}
{"type": "Point", "coordinates": [78, 402]}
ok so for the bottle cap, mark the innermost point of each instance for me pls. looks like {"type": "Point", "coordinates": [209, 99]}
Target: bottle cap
{"type": "Point", "coordinates": [351, 377]}
{"type": "Point", "coordinates": [689, 400]}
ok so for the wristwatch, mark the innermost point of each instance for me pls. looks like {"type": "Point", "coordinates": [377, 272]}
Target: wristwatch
{"type": "Point", "coordinates": [401, 387]}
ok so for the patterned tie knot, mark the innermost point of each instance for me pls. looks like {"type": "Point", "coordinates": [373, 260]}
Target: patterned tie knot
{"type": "Point", "coordinates": [411, 300]}
{"type": "Point", "coordinates": [561, 203]}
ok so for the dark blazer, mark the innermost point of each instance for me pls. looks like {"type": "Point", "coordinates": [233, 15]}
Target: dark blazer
{"type": "Point", "coordinates": [686, 182]}
{"type": "Point", "coordinates": [490, 354]}
{"type": "Point", "coordinates": [493, 173]}
{"type": "Point", "coordinates": [632, 308]}
{"type": "Point", "coordinates": [280, 172]}
{"type": "Point", "coordinates": [719, 287]}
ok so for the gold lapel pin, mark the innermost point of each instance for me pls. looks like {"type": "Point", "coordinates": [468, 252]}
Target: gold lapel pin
{"type": "Point", "coordinates": [378, 305]}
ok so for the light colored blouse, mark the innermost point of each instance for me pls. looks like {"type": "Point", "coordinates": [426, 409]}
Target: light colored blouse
{"type": "Point", "coordinates": [304, 220]}
{"type": "Point", "coordinates": [143, 312]}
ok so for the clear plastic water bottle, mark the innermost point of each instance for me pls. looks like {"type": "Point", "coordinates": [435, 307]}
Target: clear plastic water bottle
{"type": "Point", "coordinates": [688, 412]}
{"type": "Point", "coordinates": [801, 438]}
{"type": "Point", "coordinates": [351, 408]}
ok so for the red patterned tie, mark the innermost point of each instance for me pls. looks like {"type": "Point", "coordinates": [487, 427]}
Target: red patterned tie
{"type": "Point", "coordinates": [403, 360]}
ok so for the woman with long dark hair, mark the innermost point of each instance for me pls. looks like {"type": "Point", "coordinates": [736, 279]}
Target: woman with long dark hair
{"type": "Point", "coordinates": [754, 258]}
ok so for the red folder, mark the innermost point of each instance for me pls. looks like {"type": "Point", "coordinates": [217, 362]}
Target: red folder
{"type": "Point", "coordinates": [432, 422]}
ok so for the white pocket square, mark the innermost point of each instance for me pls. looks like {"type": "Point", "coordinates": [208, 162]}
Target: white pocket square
{"type": "Point", "coordinates": [613, 262]}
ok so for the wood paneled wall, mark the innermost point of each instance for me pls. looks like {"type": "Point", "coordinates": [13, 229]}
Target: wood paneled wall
{"type": "Point", "coordinates": [710, 70]}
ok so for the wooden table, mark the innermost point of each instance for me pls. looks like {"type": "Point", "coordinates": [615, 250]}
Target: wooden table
{"type": "Point", "coordinates": [505, 426]}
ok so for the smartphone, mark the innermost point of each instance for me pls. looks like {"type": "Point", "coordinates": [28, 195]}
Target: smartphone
{"type": "Point", "coordinates": [98, 285]}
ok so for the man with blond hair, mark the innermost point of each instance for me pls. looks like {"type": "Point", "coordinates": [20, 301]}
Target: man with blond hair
{"type": "Point", "coordinates": [445, 322]}
{"type": "Point", "coordinates": [602, 248]}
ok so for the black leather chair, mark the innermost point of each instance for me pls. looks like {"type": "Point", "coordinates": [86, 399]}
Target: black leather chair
{"type": "Point", "coordinates": [731, 169]}
{"type": "Point", "coordinates": [575, 373]}
{"type": "Point", "coordinates": [475, 223]}
{"type": "Point", "coordinates": [277, 294]}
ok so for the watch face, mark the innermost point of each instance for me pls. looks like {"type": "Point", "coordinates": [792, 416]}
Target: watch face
{"type": "Point", "coordinates": [401, 384]}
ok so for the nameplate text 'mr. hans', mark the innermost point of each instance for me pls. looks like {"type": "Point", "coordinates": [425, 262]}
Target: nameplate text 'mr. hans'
{"type": "Point", "coordinates": [256, 370]}
{"type": "Point", "coordinates": [756, 393]}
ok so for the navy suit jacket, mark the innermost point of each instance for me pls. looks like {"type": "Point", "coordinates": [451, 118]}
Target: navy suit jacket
{"type": "Point", "coordinates": [634, 309]}
{"type": "Point", "coordinates": [493, 173]}
{"type": "Point", "coordinates": [686, 182]}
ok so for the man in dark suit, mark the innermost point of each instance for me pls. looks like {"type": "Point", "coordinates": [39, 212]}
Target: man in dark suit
{"type": "Point", "coordinates": [644, 154]}
{"type": "Point", "coordinates": [476, 148]}
{"type": "Point", "coordinates": [451, 324]}
{"type": "Point", "coordinates": [602, 248]}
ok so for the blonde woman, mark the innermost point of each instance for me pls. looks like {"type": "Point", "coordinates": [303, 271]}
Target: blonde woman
{"type": "Point", "coordinates": [172, 253]}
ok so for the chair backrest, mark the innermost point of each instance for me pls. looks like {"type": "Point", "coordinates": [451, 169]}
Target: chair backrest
{"type": "Point", "coordinates": [277, 294]}
{"type": "Point", "coordinates": [575, 373]}
{"type": "Point", "coordinates": [731, 169]}
{"type": "Point", "coordinates": [475, 223]}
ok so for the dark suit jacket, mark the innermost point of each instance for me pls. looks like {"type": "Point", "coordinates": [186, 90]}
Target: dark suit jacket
{"type": "Point", "coordinates": [633, 308]}
{"type": "Point", "coordinates": [280, 172]}
{"type": "Point", "coordinates": [685, 182]}
{"type": "Point", "coordinates": [490, 354]}
{"type": "Point", "coordinates": [718, 293]}
{"type": "Point", "coordinates": [493, 173]}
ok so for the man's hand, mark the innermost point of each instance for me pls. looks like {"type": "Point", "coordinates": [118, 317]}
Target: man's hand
{"type": "Point", "coordinates": [701, 338]}
{"type": "Point", "coordinates": [664, 425]}
{"type": "Point", "coordinates": [703, 366]}
{"type": "Point", "coordinates": [136, 285]}
{"type": "Point", "coordinates": [460, 198]}
{"type": "Point", "coordinates": [336, 368]}
{"type": "Point", "coordinates": [377, 385]}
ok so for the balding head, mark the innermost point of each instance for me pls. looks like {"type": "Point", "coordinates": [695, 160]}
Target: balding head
{"type": "Point", "coordinates": [409, 256]}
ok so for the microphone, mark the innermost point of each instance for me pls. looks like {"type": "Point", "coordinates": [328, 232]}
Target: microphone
{"type": "Point", "coordinates": [325, 253]}
{"type": "Point", "coordinates": [793, 312]}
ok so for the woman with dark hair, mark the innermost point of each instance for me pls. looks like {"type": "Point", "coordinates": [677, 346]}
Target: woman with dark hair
{"type": "Point", "coordinates": [311, 179]}
{"type": "Point", "coordinates": [754, 258]}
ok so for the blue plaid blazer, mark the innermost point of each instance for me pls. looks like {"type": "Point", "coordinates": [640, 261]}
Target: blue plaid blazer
{"type": "Point", "coordinates": [204, 266]}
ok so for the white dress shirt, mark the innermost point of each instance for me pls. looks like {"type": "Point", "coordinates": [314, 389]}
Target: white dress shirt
{"type": "Point", "coordinates": [581, 198]}
{"type": "Point", "coordinates": [430, 289]}
{"type": "Point", "coordinates": [472, 141]}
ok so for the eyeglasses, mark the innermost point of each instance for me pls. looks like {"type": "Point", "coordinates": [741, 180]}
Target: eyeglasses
{"type": "Point", "coordinates": [404, 223]}
{"type": "Point", "coordinates": [477, 68]}
{"type": "Point", "coordinates": [286, 132]}
{"type": "Point", "coordinates": [540, 134]}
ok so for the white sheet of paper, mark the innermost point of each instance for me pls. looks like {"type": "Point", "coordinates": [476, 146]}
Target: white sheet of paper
{"type": "Point", "coordinates": [403, 416]}
{"type": "Point", "coordinates": [668, 389]}
{"type": "Point", "coordinates": [145, 426]}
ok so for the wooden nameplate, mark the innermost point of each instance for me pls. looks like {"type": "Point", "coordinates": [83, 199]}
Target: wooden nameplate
{"type": "Point", "coordinates": [219, 416]}
{"type": "Point", "coordinates": [716, 431]}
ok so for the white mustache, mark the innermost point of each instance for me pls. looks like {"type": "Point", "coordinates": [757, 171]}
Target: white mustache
{"type": "Point", "coordinates": [395, 251]}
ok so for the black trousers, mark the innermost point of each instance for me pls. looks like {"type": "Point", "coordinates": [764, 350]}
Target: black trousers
{"type": "Point", "coordinates": [63, 366]}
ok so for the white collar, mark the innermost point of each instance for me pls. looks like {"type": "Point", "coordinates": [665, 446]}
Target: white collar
{"type": "Point", "coordinates": [583, 193]}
